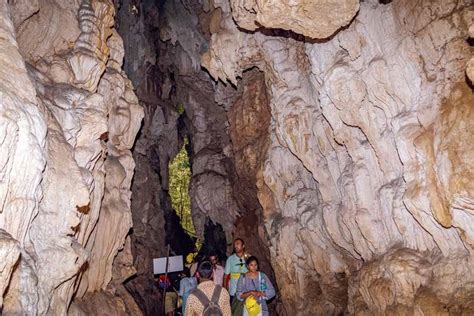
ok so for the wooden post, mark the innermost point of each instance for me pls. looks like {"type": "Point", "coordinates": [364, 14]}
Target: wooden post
{"type": "Point", "coordinates": [166, 276]}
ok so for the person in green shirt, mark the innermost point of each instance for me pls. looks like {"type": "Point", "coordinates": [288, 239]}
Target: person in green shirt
{"type": "Point", "coordinates": [235, 266]}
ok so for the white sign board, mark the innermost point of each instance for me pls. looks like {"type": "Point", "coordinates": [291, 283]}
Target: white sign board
{"type": "Point", "coordinates": [175, 264]}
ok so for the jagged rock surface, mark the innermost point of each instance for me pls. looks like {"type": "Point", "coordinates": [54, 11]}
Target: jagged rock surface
{"type": "Point", "coordinates": [157, 144]}
{"type": "Point", "coordinates": [313, 18]}
{"type": "Point", "coordinates": [10, 252]}
{"type": "Point", "coordinates": [69, 119]}
{"type": "Point", "coordinates": [364, 154]}
{"type": "Point", "coordinates": [348, 151]}
{"type": "Point", "coordinates": [180, 100]}
{"type": "Point", "coordinates": [249, 121]}
{"type": "Point", "coordinates": [470, 65]}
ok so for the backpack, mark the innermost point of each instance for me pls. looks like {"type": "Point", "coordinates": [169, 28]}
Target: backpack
{"type": "Point", "coordinates": [211, 307]}
{"type": "Point", "coordinates": [164, 282]}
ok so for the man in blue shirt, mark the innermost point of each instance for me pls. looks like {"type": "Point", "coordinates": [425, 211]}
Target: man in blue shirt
{"type": "Point", "coordinates": [235, 266]}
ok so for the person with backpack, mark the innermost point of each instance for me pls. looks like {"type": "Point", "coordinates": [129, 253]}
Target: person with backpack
{"type": "Point", "coordinates": [254, 289]}
{"type": "Point", "coordinates": [208, 299]}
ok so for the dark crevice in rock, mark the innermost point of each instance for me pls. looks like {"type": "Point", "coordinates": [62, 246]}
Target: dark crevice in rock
{"type": "Point", "coordinates": [181, 100]}
{"type": "Point", "coordinates": [180, 242]}
{"type": "Point", "coordinates": [214, 241]}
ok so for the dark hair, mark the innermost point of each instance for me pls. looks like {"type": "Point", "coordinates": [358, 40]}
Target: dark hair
{"type": "Point", "coordinates": [251, 259]}
{"type": "Point", "coordinates": [205, 270]}
{"type": "Point", "coordinates": [213, 254]}
{"type": "Point", "coordinates": [239, 239]}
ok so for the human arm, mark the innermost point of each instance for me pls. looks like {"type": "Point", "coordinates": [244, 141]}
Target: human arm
{"type": "Point", "coordinates": [227, 278]}
{"type": "Point", "coordinates": [221, 275]}
{"type": "Point", "coordinates": [240, 289]}
{"type": "Point", "coordinates": [181, 287]}
{"type": "Point", "coordinates": [227, 274]}
{"type": "Point", "coordinates": [269, 292]}
{"type": "Point", "coordinates": [255, 294]}
{"type": "Point", "coordinates": [242, 293]}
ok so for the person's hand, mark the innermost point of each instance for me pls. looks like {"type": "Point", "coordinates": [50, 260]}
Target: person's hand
{"type": "Point", "coordinates": [259, 294]}
{"type": "Point", "coordinates": [254, 294]}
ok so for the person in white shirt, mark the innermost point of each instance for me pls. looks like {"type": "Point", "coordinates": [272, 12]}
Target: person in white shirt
{"type": "Point", "coordinates": [218, 270]}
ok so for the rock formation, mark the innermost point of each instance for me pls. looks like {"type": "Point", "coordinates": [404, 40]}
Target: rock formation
{"type": "Point", "coordinates": [345, 155]}
{"type": "Point", "coordinates": [167, 75]}
{"type": "Point", "coordinates": [334, 136]}
{"type": "Point", "coordinates": [370, 124]}
{"type": "Point", "coordinates": [312, 18]}
{"type": "Point", "coordinates": [69, 119]}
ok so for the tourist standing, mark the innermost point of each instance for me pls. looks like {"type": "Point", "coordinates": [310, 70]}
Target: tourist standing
{"type": "Point", "coordinates": [217, 270]}
{"type": "Point", "coordinates": [186, 285]}
{"type": "Point", "coordinates": [234, 267]}
{"type": "Point", "coordinates": [255, 288]}
{"type": "Point", "coordinates": [168, 283]}
{"type": "Point", "coordinates": [198, 302]}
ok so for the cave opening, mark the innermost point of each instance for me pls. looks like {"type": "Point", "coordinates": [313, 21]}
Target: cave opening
{"type": "Point", "coordinates": [179, 179]}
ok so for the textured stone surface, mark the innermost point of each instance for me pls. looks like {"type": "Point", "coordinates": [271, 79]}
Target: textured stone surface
{"type": "Point", "coordinates": [90, 50]}
{"type": "Point", "coordinates": [249, 122]}
{"type": "Point", "coordinates": [10, 252]}
{"type": "Point", "coordinates": [22, 159]}
{"type": "Point", "coordinates": [470, 65]}
{"type": "Point", "coordinates": [361, 158]}
{"type": "Point", "coordinates": [69, 119]}
{"type": "Point", "coordinates": [155, 146]}
{"type": "Point", "coordinates": [405, 281]}
{"type": "Point", "coordinates": [24, 131]}
{"type": "Point", "coordinates": [351, 157]}
{"type": "Point", "coordinates": [165, 86]}
{"type": "Point", "coordinates": [313, 18]}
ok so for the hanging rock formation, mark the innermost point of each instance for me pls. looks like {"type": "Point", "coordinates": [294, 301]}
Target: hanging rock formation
{"type": "Point", "coordinates": [69, 119]}
{"type": "Point", "coordinates": [180, 100]}
{"type": "Point", "coordinates": [312, 18]}
{"type": "Point", "coordinates": [365, 184]}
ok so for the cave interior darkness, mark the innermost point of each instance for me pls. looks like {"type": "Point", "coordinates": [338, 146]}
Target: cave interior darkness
{"type": "Point", "coordinates": [179, 100]}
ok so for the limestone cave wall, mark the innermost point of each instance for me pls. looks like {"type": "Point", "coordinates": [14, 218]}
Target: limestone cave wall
{"type": "Point", "coordinates": [335, 136]}
{"type": "Point", "coordinates": [366, 185]}
{"type": "Point", "coordinates": [68, 120]}
{"type": "Point", "coordinates": [164, 43]}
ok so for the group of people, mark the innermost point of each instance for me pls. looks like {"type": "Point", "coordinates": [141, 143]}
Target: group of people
{"type": "Point", "coordinates": [239, 289]}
